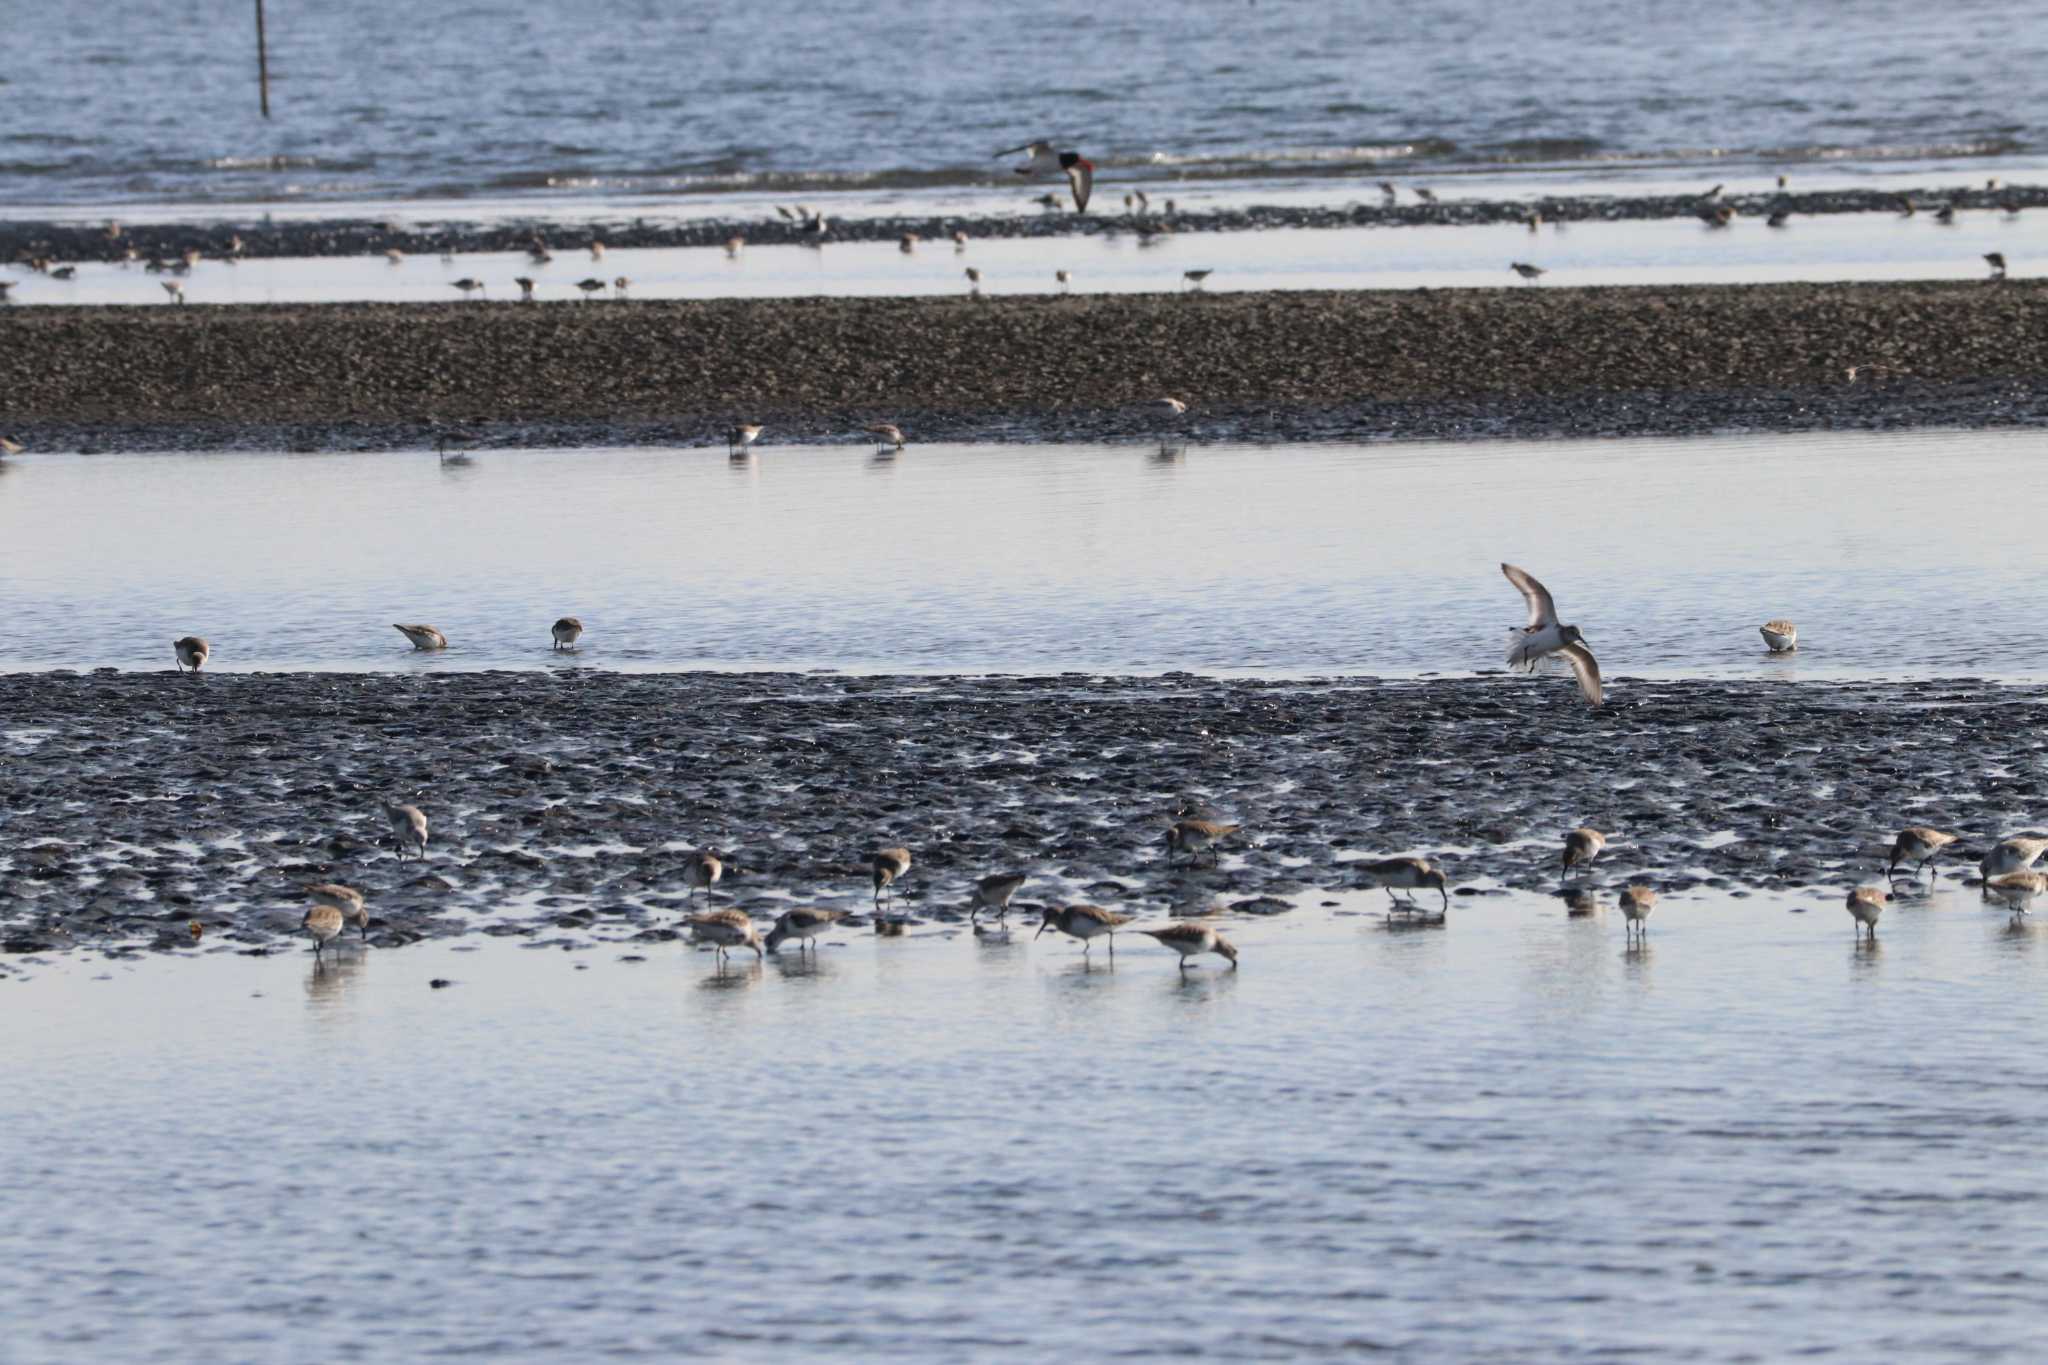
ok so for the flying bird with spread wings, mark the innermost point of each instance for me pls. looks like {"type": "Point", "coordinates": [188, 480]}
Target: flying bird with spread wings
{"type": "Point", "coordinates": [1544, 636]}
{"type": "Point", "coordinates": [1047, 159]}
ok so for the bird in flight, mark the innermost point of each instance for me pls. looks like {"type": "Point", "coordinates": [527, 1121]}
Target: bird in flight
{"type": "Point", "coordinates": [1544, 635]}
{"type": "Point", "coordinates": [1045, 159]}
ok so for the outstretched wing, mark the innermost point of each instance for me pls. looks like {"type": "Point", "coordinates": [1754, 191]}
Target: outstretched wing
{"type": "Point", "coordinates": [1586, 668]}
{"type": "Point", "coordinates": [1542, 611]}
{"type": "Point", "coordinates": [1081, 178]}
{"type": "Point", "coordinates": [1033, 149]}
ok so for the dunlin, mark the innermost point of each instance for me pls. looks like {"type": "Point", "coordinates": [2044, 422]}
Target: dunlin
{"type": "Point", "coordinates": [1194, 278]}
{"type": "Point", "coordinates": [422, 637]}
{"type": "Point", "coordinates": [468, 285]}
{"type": "Point", "coordinates": [886, 434]}
{"type": "Point", "coordinates": [1173, 407]}
{"type": "Point", "coordinates": [1064, 279]}
{"type": "Point", "coordinates": [394, 255]}
{"type": "Point", "coordinates": [1192, 940]}
{"type": "Point", "coordinates": [907, 243]}
{"type": "Point", "coordinates": [1945, 214]}
{"type": "Point", "coordinates": [538, 252]}
{"type": "Point", "coordinates": [2016, 890]}
{"type": "Point", "coordinates": [461, 440]}
{"type": "Point", "coordinates": [1083, 922]}
{"type": "Point", "coordinates": [1192, 836]}
{"type": "Point", "coordinates": [742, 436]}
{"type": "Point", "coordinates": [887, 865]}
{"type": "Point", "coordinates": [64, 272]}
{"type": "Point", "coordinates": [1427, 196]}
{"type": "Point", "coordinates": [973, 280]}
{"type": "Point", "coordinates": [2012, 855]}
{"type": "Point", "coordinates": [1919, 845]}
{"type": "Point", "coordinates": [11, 447]}
{"type": "Point", "coordinates": [959, 239]}
{"type": "Point", "coordinates": [1046, 159]}
{"type": "Point", "coordinates": [174, 290]}
{"type": "Point", "coordinates": [734, 246]}
{"type": "Point", "coordinates": [525, 284]}
{"type": "Point", "coordinates": [323, 922]}
{"type": "Point", "coordinates": [1865, 904]}
{"type": "Point", "coordinates": [1778, 218]}
{"type": "Point", "coordinates": [590, 285]}
{"type": "Point", "coordinates": [1406, 874]}
{"type": "Point", "coordinates": [345, 901]}
{"type": "Point", "coordinates": [1781, 635]}
{"type": "Point", "coordinates": [5, 286]}
{"type": "Point", "coordinates": [701, 871]}
{"type": "Point", "coordinates": [565, 632]}
{"type": "Point", "coordinates": [725, 929]}
{"type": "Point", "coordinates": [1636, 904]}
{"type": "Point", "coordinates": [1531, 273]}
{"type": "Point", "coordinates": [803, 925]}
{"type": "Point", "coordinates": [1996, 260]}
{"type": "Point", "coordinates": [620, 283]}
{"type": "Point", "coordinates": [1388, 192]}
{"type": "Point", "coordinates": [408, 828]}
{"type": "Point", "coordinates": [192, 652]}
{"type": "Point", "coordinates": [1544, 635]}
{"type": "Point", "coordinates": [1581, 847]}
{"type": "Point", "coordinates": [993, 895]}
{"type": "Point", "coordinates": [597, 251]}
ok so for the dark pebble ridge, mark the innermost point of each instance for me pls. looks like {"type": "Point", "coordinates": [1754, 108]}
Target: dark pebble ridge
{"type": "Point", "coordinates": [135, 804]}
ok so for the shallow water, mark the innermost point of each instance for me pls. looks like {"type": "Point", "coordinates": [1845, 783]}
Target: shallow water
{"type": "Point", "coordinates": [1503, 1137]}
{"type": "Point", "coordinates": [1301, 559]}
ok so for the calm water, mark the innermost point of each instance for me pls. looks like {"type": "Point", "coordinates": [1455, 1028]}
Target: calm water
{"type": "Point", "coordinates": [1506, 1139]}
{"type": "Point", "coordinates": [154, 103]}
{"type": "Point", "coordinates": [1378, 559]}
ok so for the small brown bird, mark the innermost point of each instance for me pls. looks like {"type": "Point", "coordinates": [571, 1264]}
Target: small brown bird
{"type": "Point", "coordinates": [973, 280]}
{"type": "Point", "coordinates": [11, 447]}
{"type": "Point", "coordinates": [597, 251]}
{"type": "Point", "coordinates": [725, 929]}
{"type": "Point", "coordinates": [2016, 890]}
{"type": "Point", "coordinates": [1083, 922]}
{"type": "Point", "coordinates": [175, 290]}
{"type": "Point", "coordinates": [734, 246]}
{"type": "Point", "coordinates": [1919, 845]}
{"type": "Point", "coordinates": [907, 243]}
{"type": "Point", "coordinates": [344, 902]}
{"type": "Point", "coordinates": [422, 637]}
{"type": "Point", "coordinates": [886, 434]}
{"type": "Point", "coordinates": [565, 632]}
{"type": "Point", "coordinates": [468, 285]}
{"type": "Point", "coordinates": [409, 828]}
{"type": "Point", "coordinates": [1195, 278]}
{"type": "Point", "coordinates": [1531, 273]}
{"type": "Point", "coordinates": [1996, 260]}
{"type": "Point", "coordinates": [1780, 635]}
{"type": "Point", "coordinates": [959, 239]}
{"type": "Point", "coordinates": [1636, 904]}
{"type": "Point", "coordinates": [1581, 847]}
{"type": "Point", "coordinates": [1192, 836]}
{"type": "Point", "coordinates": [1865, 904]}
{"type": "Point", "coordinates": [590, 285]}
{"type": "Point", "coordinates": [993, 895]}
{"type": "Point", "coordinates": [887, 865]}
{"type": "Point", "coordinates": [323, 922]}
{"type": "Point", "coordinates": [1407, 874]}
{"type": "Point", "coordinates": [701, 871]}
{"type": "Point", "coordinates": [525, 284]}
{"type": "Point", "coordinates": [192, 652]}
{"type": "Point", "coordinates": [1192, 940]}
{"type": "Point", "coordinates": [803, 924]}
{"type": "Point", "coordinates": [394, 255]}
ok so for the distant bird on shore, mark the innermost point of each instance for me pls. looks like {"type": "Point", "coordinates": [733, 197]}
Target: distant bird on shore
{"type": "Point", "coordinates": [1907, 208]}
{"type": "Point", "coordinates": [784, 212]}
{"type": "Point", "coordinates": [1636, 904]}
{"type": "Point", "coordinates": [1856, 372]}
{"type": "Point", "coordinates": [1865, 904]}
{"type": "Point", "coordinates": [2016, 890]}
{"type": "Point", "coordinates": [1996, 260]}
{"type": "Point", "coordinates": [886, 434]}
{"type": "Point", "coordinates": [1919, 845]}
{"type": "Point", "coordinates": [619, 285]}
{"type": "Point", "coordinates": [394, 255]}
{"type": "Point", "coordinates": [1047, 201]}
{"type": "Point", "coordinates": [525, 284]}
{"type": "Point", "coordinates": [1778, 218]}
{"type": "Point", "coordinates": [1781, 635]}
{"type": "Point", "coordinates": [64, 272]}
{"type": "Point", "coordinates": [1144, 201]}
{"type": "Point", "coordinates": [1427, 196]}
{"type": "Point", "coordinates": [1783, 181]}
{"type": "Point", "coordinates": [565, 631]}
{"type": "Point", "coordinates": [725, 929]}
{"type": "Point", "coordinates": [734, 246]}
{"type": "Point", "coordinates": [1045, 159]}
{"type": "Point", "coordinates": [1544, 635]}
{"type": "Point", "coordinates": [538, 252]}
{"type": "Point", "coordinates": [1581, 847]}
{"type": "Point", "coordinates": [590, 285]}
{"type": "Point", "coordinates": [468, 285]}
{"type": "Point", "coordinates": [907, 243]}
{"type": "Point", "coordinates": [597, 251]}
{"type": "Point", "coordinates": [408, 828]}
{"type": "Point", "coordinates": [174, 290]}
{"type": "Point", "coordinates": [803, 924]}
{"type": "Point", "coordinates": [1533, 219]}
{"type": "Point", "coordinates": [422, 637]}
{"type": "Point", "coordinates": [6, 286]}
{"type": "Point", "coordinates": [192, 652]}
{"type": "Point", "coordinates": [959, 240]}
{"type": "Point", "coordinates": [1531, 273]}
{"type": "Point", "coordinates": [1191, 940]}
{"type": "Point", "coordinates": [1194, 278]}
{"type": "Point", "coordinates": [973, 280]}
{"type": "Point", "coordinates": [813, 229]}
{"type": "Point", "coordinates": [322, 922]}
{"type": "Point", "coordinates": [887, 865]}
{"type": "Point", "coordinates": [740, 437]}
{"type": "Point", "coordinates": [1714, 193]}
{"type": "Point", "coordinates": [1406, 874]}
{"type": "Point", "coordinates": [1083, 922]}
{"type": "Point", "coordinates": [1064, 279]}
{"type": "Point", "coordinates": [1192, 836]}
{"type": "Point", "coordinates": [702, 870]}
{"type": "Point", "coordinates": [461, 440]}
{"type": "Point", "coordinates": [1388, 192]}
{"type": "Point", "coordinates": [9, 446]}
{"type": "Point", "coordinates": [993, 894]}
{"type": "Point", "coordinates": [1946, 214]}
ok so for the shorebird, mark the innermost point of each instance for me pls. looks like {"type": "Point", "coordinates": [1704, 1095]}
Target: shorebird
{"type": "Point", "coordinates": [1778, 218]}
{"type": "Point", "coordinates": [1865, 904]}
{"type": "Point", "coordinates": [565, 631]}
{"type": "Point", "coordinates": [803, 925]}
{"type": "Point", "coordinates": [538, 252]}
{"type": "Point", "coordinates": [1049, 160]}
{"type": "Point", "coordinates": [64, 272]}
{"type": "Point", "coordinates": [725, 929]}
{"type": "Point", "coordinates": [1531, 273]}
{"type": "Point", "coordinates": [1714, 193]}
{"type": "Point", "coordinates": [394, 255]}
{"type": "Point", "coordinates": [784, 212]}
{"type": "Point", "coordinates": [619, 284]}
{"type": "Point", "coordinates": [190, 257]}
{"type": "Point", "coordinates": [1636, 904]}
{"type": "Point", "coordinates": [191, 652]}
{"type": "Point", "coordinates": [422, 637]}
{"type": "Point", "coordinates": [959, 240]}
{"type": "Point", "coordinates": [1543, 635]}
{"type": "Point", "coordinates": [461, 440]}
{"type": "Point", "coordinates": [1388, 192]}
{"type": "Point", "coordinates": [1996, 260]}
{"type": "Point", "coordinates": [1425, 195]}
{"type": "Point", "coordinates": [2016, 890]}
{"type": "Point", "coordinates": [1533, 219]}
{"type": "Point", "coordinates": [1781, 635]}
{"type": "Point", "coordinates": [1783, 182]}
{"type": "Point", "coordinates": [2011, 855]}
{"type": "Point", "coordinates": [887, 865]}
{"type": "Point", "coordinates": [5, 287]}
{"type": "Point", "coordinates": [1192, 836]}
{"type": "Point", "coordinates": [734, 246]}
{"type": "Point", "coordinates": [811, 232]}
{"type": "Point", "coordinates": [1581, 847]}
{"type": "Point", "coordinates": [886, 434]}
{"type": "Point", "coordinates": [1851, 374]}
{"type": "Point", "coordinates": [1906, 206]}
{"type": "Point", "coordinates": [1919, 845]}
{"type": "Point", "coordinates": [1192, 940]}
{"type": "Point", "coordinates": [597, 251]}
{"type": "Point", "coordinates": [1945, 214]}
{"type": "Point", "coordinates": [408, 829]}
{"type": "Point", "coordinates": [973, 280]}
{"type": "Point", "coordinates": [11, 447]}
{"type": "Point", "coordinates": [345, 902]}
{"type": "Point", "coordinates": [701, 871]}
{"type": "Point", "coordinates": [590, 285]}
{"type": "Point", "coordinates": [323, 922]}
{"type": "Point", "coordinates": [1048, 201]}
{"type": "Point", "coordinates": [1407, 874]}
{"type": "Point", "coordinates": [1194, 278]}
{"type": "Point", "coordinates": [468, 285]}
{"type": "Point", "coordinates": [1083, 922]}
{"type": "Point", "coordinates": [907, 243]}
{"type": "Point", "coordinates": [525, 284]}
{"type": "Point", "coordinates": [740, 437]}
{"type": "Point", "coordinates": [1144, 201]}
{"type": "Point", "coordinates": [1063, 278]}
{"type": "Point", "coordinates": [174, 289]}
{"type": "Point", "coordinates": [993, 895]}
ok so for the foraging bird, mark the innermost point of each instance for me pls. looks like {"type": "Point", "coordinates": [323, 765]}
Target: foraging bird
{"type": "Point", "coordinates": [1194, 278]}
{"type": "Point", "coordinates": [959, 240]}
{"type": "Point", "coordinates": [1581, 847]}
{"type": "Point", "coordinates": [1174, 406]}
{"type": "Point", "coordinates": [11, 447]}
{"type": "Point", "coordinates": [1192, 940]}
{"type": "Point", "coordinates": [565, 632]}
{"type": "Point", "coordinates": [1388, 192]}
{"type": "Point", "coordinates": [701, 871]}
{"type": "Point", "coordinates": [2016, 889]}
{"type": "Point", "coordinates": [993, 895]}
{"type": "Point", "coordinates": [886, 434]}
{"type": "Point", "coordinates": [589, 286]}
{"type": "Point", "coordinates": [323, 922]}
{"type": "Point", "coordinates": [468, 285]}
{"type": "Point", "coordinates": [1996, 260]}
{"type": "Point", "coordinates": [734, 246]}
{"type": "Point", "coordinates": [345, 903]}
{"type": "Point", "coordinates": [175, 290]}
{"type": "Point", "coordinates": [1407, 874]}
{"type": "Point", "coordinates": [422, 637]}
{"type": "Point", "coordinates": [64, 272]}
{"type": "Point", "coordinates": [802, 924]}
{"type": "Point", "coordinates": [2011, 855]}
{"type": "Point", "coordinates": [525, 288]}
{"type": "Point", "coordinates": [409, 828]}
{"type": "Point", "coordinates": [1531, 273]}
{"type": "Point", "coordinates": [1778, 218]}
{"type": "Point", "coordinates": [740, 437]}
{"type": "Point", "coordinates": [1714, 193]}
{"type": "Point", "coordinates": [1048, 160]}
{"type": "Point", "coordinates": [394, 255]}
{"type": "Point", "coordinates": [1636, 904]}
{"type": "Point", "coordinates": [619, 284]}
{"type": "Point", "coordinates": [1192, 836]}
{"type": "Point", "coordinates": [538, 252]}
{"type": "Point", "coordinates": [1919, 845]}
{"type": "Point", "coordinates": [1426, 196]}
{"type": "Point", "coordinates": [887, 865]}
{"type": "Point", "coordinates": [1945, 214]}
{"type": "Point", "coordinates": [973, 280]}
{"type": "Point", "coordinates": [1083, 922]}
{"type": "Point", "coordinates": [1780, 635]}
{"type": "Point", "coordinates": [1063, 278]}
{"type": "Point", "coordinates": [725, 929]}
{"type": "Point", "coordinates": [1865, 904]}
{"type": "Point", "coordinates": [597, 251]}
{"type": "Point", "coordinates": [907, 243]}
{"type": "Point", "coordinates": [192, 652]}
{"type": "Point", "coordinates": [1544, 635]}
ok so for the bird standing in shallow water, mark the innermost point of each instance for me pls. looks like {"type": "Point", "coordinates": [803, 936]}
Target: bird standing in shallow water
{"type": "Point", "coordinates": [345, 903]}
{"type": "Point", "coordinates": [1996, 260]}
{"type": "Point", "coordinates": [2016, 890]}
{"type": "Point", "coordinates": [887, 435]}
{"type": "Point", "coordinates": [1407, 874]}
{"type": "Point", "coordinates": [422, 636]}
{"type": "Point", "coordinates": [1194, 278]}
{"type": "Point", "coordinates": [1636, 904]}
{"type": "Point", "coordinates": [802, 924]}
{"type": "Point", "coordinates": [887, 865]}
{"type": "Point", "coordinates": [1919, 845]}
{"type": "Point", "coordinates": [740, 437]}
{"type": "Point", "coordinates": [409, 828]}
{"type": "Point", "coordinates": [467, 285]}
{"type": "Point", "coordinates": [2011, 855]}
{"type": "Point", "coordinates": [1083, 922]}
{"type": "Point", "coordinates": [1192, 836]}
{"type": "Point", "coordinates": [1780, 635]}
{"type": "Point", "coordinates": [1581, 847]}
{"type": "Point", "coordinates": [191, 652]}
{"type": "Point", "coordinates": [565, 632]}
{"type": "Point", "coordinates": [1865, 904]}
{"type": "Point", "coordinates": [725, 929]}
{"type": "Point", "coordinates": [701, 871]}
{"type": "Point", "coordinates": [1531, 273]}
{"type": "Point", "coordinates": [1192, 940]}
{"type": "Point", "coordinates": [1544, 635]}
{"type": "Point", "coordinates": [993, 895]}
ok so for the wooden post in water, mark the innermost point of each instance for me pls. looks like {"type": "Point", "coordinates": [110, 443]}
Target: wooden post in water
{"type": "Point", "coordinates": [262, 62]}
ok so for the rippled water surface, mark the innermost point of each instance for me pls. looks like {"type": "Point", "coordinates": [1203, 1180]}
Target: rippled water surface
{"type": "Point", "coordinates": [1505, 1138]}
{"type": "Point", "coordinates": [1374, 559]}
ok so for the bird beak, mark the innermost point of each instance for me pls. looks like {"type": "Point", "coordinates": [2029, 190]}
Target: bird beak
{"type": "Point", "coordinates": [1041, 930]}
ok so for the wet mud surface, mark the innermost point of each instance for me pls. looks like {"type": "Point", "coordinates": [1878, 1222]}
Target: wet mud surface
{"type": "Point", "coordinates": [1256, 366]}
{"type": "Point", "coordinates": [136, 806]}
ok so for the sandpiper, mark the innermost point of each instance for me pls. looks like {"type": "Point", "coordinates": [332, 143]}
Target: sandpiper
{"type": "Point", "coordinates": [973, 280]}
{"type": "Point", "coordinates": [408, 828]}
{"type": "Point", "coordinates": [422, 637]}
{"type": "Point", "coordinates": [802, 924]}
{"type": "Point", "coordinates": [2016, 890]}
{"type": "Point", "coordinates": [1144, 201]}
{"type": "Point", "coordinates": [5, 287]}
{"type": "Point", "coordinates": [1778, 218]}
{"type": "Point", "coordinates": [538, 252]}
{"type": "Point", "coordinates": [2011, 855]}
{"type": "Point", "coordinates": [1192, 836]}
{"type": "Point", "coordinates": [345, 901]}
{"type": "Point", "coordinates": [1714, 193]}
{"type": "Point", "coordinates": [1194, 278]}
{"type": "Point", "coordinates": [1192, 940]}
{"type": "Point", "coordinates": [813, 229]}
{"type": "Point", "coordinates": [887, 865]}
{"type": "Point", "coordinates": [701, 871]}
{"type": "Point", "coordinates": [175, 290]}
{"type": "Point", "coordinates": [1945, 214]}
{"type": "Point", "coordinates": [1919, 845]}
{"type": "Point", "coordinates": [1531, 273]}
{"type": "Point", "coordinates": [590, 284]}
{"type": "Point", "coordinates": [191, 652]}
{"type": "Point", "coordinates": [597, 251]}
{"type": "Point", "coordinates": [1427, 196]}
{"type": "Point", "coordinates": [461, 440]}
{"type": "Point", "coordinates": [1388, 192]}
{"type": "Point", "coordinates": [394, 255]}
{"type": "Point", "coordinates": [1083, 922]}
{"type": "Point", "coordinates": [1407, 874]}
{"type": "Point", "coordinates": [1049, 160]}
{"type": "Point", "coordinates": [323, 922]}
{"type": "Point", "coordinates": [886, 434]}
{"type": "Point", "coordinates": [565, 631]}
{"type": "Point", "coordinates": [1543, 635]}
{"type": "Point", "coordinates": [1636, 904]}
{"type": "Point", "coordinates": [959, 239]}
{"type": "Point", "coordinates": [1781, 635]}
{"type": "Point", "coordinates": [1533, 219]}
{"type": "Point", "coordinates": [1581, 847]}
{"type": "Point", "coordinates": [525, 283]}
{"type": "Point", "coordinates": [993, 895]}
{"type": "Point", "coordinates": [1064, 279]}
{"type": "Point", "coordinates": [1174, 407]}
{"type": "Point", "coordinates": [907, 243]}
{"type": "Point", "coordinates": [64, 272]}
{"type": "Point", "coordinates": [468, 285]}
{"type": "Point", "coordinates": [734, 246]}
{"type": "Point", "coordinates": [1865, 904]}
{"type": "Point", "coordinates": [725, 929]}
{"type": "Point", "coordinates": [740, 437]}
{"type": "Point", "coordinates": [1996, 260]}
